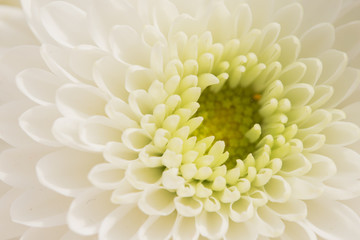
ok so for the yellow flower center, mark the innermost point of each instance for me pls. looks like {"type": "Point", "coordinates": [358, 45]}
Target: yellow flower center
{"type": "Point", "coordinates": [228, 115]}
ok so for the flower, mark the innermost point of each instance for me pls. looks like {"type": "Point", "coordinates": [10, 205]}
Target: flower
{"type": "Point", "coordinates": [181, 119]}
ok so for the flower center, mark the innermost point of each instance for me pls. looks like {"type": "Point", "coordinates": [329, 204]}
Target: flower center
{"type": "Point", "coordinates": [228, 115]}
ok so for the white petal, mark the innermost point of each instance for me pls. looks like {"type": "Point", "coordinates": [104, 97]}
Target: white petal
{"type": "Point", "coordinates": [106, 176]}
{"type": "Point", "coordinates": [220, 24]}
{"type": "Point", "coordinates": [104, 15]}
{"type": "Point", "coordinates": [8, 228]}
{"type": "Point", "coordinates": [292, 45]}
{"type": "Point", "coordinates": [141, 176]}
{"type": "Point", "coordinates": [315, 12]}
{"type": "Point", "coordinates": [138, 77]}
{"type": "Point", "coordinates": [292, 73]}
{"type": "Point", "coordinates": [82, 60]}
{"type": "Point", "coordinates": [120, 111]}
{"type": "Point", "coordinates": [59, 18]}
{"type": "Point", "coordinates": [322, 166]}
{"type": "Point", "coordinates": [188, 207]}
{"type": "Point", "coordinates": [268, 223]}
{"type": "Point", "coordinates": [347, 38]}
{"type": "Point", "coordinates": [262, 11]}
{"type": "Point", "coordinates": [299, 94]}
{"type": "Point", "coordinates": [12, 21]}
{"type": "Point", "coordinates": [317, 39]}
{"type": "Point", "coordinates": [334, 63]}
{"type": "Point", "coordinates": [157, 202]}
{"type": "Point", "coordinates": [109, 75]}
{"type": "Point", "coordinates": [349, 13]}
{"type": "Point", "coordinates": [157, 227]}
{"type": "Point", "coordinates": [164, 14]}
{"type": "Point", "coordinates": [66, 131]}
{"type": "Point", "coordinates": [341, 133]}
{"type": "Point", "coordinates": [213, 225]}
{"type": "Point", "coordinates": [241, 210]}
{"type": "Point", "coordinates": [352, 113]}
{"type": "Point", "coordinates": [40, 208]}
{"type": "Point", "coordinates": [185, 229]}
{"type": "Point", "coordinates": [80, 101]}
{"type": "Point", "coordinates": [126, 193]}
{"type": "Point", "coordinates": [15, 60]}
{"type": "Point", "coordinates": [278, 189]}
{"type": "Point", "coordinates": [65, 171]}
{"type": "Point", "coordinates": [333, 220]}
{"type": "Point", "coordinates": [88, 210]}
{"type": "Point", "coordinates": [119, 154]}
{"type": "Point", "coordinates": [37, 122]}
{"type": "Point", "coordinates": [289, 17]}
{"type": "Point", "coordinates": [240, 231]}
{"type": "Point", "coordinates": [292, 210]}
{"type": "Point", "coordinates": [295, 165]}
{"type": "Point", "coordinates": [313, 70]}
{"type": "Point", "coordinates": [131, 49]}
{"type": "Point", "coordinates": [303, 188]}
{"type": "Point", "coordinates": [10, 130]}
{"type": "Point", "coordinates": [345, 184]}
{"type": "Point", "coordinates": [322, 94]}
{"type": "Point", "coordinates": [17, 165]}
{"type": "Point", "coordinates": [296, 231]}
{"type": "Point", "coordinates": [57, 60]}
{"type": "Point", "coordinates": [135, 139]}
{"type": "Point", "coordinates": [122, 224]}
{"type": "Point", "coordinates": [73, 236]}
{"type": "Point", "coordinates": [344, 86]}
{"type": "Point", "coordinates": [97, 131]}
{"type": "Point", "coordinates": [243, 19]}
{"type": "Point", "coordinates": [44, 233]}
{"type": "Point", "coordinates": [39, 85]}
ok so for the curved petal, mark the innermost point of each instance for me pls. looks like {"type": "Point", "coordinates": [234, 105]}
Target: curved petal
{"type": "Point", "coordinates": [212, 224]}
{"type": "Point", "coordinates": [122, 224]}
{"type": "Point", "coordinates": [37, 122]}
{"type": "Point", "coordinates": [106, 176]}
{"type": "Point", "coordinates": [88, 210]}
{"type": "Point", "coordinates": [38, 85]}
{"type": "Point", "coordinates": [44, 233]}
{"type": "Point", "coordinates": [59, 18]}
{"type": "Point", "coordinates": [10, 130]}
{"type": "Point", "coordinates": [8, 228]}
{"type": "Point", "coordinates": [332, 220]}
{"type": "Point", "coordinates": [65, 171]}
{"type": "Point", "coordinates": [268, 223]}
{"type": "Point", "coordinates": [240, 231]}
{"type": "Point", "coordinates": [17, 165]}
{"type": "Point", "coordinates": [40, 208]}
{"type": "Point", "coordinates": [185, 228]}
{"type": "Point", "coordinates": [80, 101]}
{"type": "Point", "coordinates": [157, 227]}
{"type": "Point", "coordinates": [157, 202]}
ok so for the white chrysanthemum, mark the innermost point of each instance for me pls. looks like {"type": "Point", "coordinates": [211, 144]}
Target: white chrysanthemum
{"type": "Point", "coordinates": [180, 119]}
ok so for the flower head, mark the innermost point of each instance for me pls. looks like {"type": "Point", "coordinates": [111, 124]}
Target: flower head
{"type": "Point", "coordinates": [179, 119]}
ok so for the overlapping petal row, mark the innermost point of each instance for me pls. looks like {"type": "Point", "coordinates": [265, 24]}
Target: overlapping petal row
{"type": "Point", "coordinates": [134, 113]}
